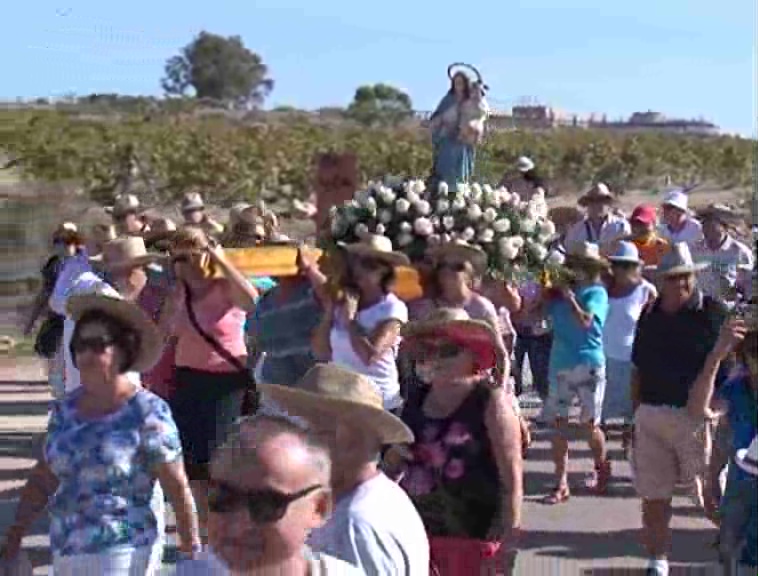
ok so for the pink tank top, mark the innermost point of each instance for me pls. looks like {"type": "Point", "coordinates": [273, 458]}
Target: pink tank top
{"type": "Point", "coordinates": [218, 317]}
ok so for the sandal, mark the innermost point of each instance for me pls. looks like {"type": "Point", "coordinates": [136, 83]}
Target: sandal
{"type": "Point", "coordinates": [597, 483]}
{"type": "Point", "coordinates": [559, 495]}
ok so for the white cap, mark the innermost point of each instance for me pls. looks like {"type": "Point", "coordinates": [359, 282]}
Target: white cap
{"type": "Point", "coordinates": [677, 199]}
{"type": "Point", "coordinates": [524, 164]}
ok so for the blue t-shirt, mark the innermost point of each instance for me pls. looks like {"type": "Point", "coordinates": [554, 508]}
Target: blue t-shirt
{"type": "Point", "coordinates": [573, 344]}
{"type": "Point", "coordinates": [742, 412]}
{"type": "Point", "coordinates": [106, 473]}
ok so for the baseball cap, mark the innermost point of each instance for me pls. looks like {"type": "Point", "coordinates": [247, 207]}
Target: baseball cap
{"type": "Point", "coordinates": [644, 213]}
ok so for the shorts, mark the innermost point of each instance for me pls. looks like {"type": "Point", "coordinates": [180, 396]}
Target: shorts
{"type": "Point", "coordinates": [205, 406]}
{"type": "Point", "coordinates": [124, 561]}
{"type": "Point", "coordinates": [587, 383]}
{"type": "Point", "coordinates": [669, 450]}
{"type": "Point", "coordinates": [617, 404]}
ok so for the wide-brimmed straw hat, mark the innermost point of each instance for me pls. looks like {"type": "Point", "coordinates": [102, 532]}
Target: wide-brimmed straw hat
{"type": "Point", "coordinates": [328, 388]}
{"type": "Point", "coordinates": [378, 247]}
{"type": "Point", "coordinates": [455, 324]}
{"type": "Point", "coordinates": [678, 260]}
{"type": "Point", "coordinates": [192, 201]}
{"type": "Point", "coordinates": [151, 342]}
{"type": "Point", "coordinates": [722, 213]}
{"type": "Point", "coordinates": [585, 254]}
{"type": "Point", "coordinates": [461, 250]}
{"type": "Point", "coordinates": [747, 458]}
{"type": "Point", "coordinates": [598, 193]}
{"type": "Point", "coordinates": [126, 252]}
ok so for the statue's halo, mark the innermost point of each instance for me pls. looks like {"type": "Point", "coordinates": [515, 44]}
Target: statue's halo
{"type": "Point", "coordinates": [470, 71]}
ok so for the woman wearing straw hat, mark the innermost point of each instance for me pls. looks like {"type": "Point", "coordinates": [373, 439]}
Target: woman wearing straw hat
{"type": "Point", "coordinates": [464, 471]}
{"type": "Point", "coordinates": [362, 331]}
{"type": "Point", "coordinates": [577, 364]}
{"type": "Point", "coordinates": [108, 443]}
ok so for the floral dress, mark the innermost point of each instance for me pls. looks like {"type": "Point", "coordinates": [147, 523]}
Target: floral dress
{"type": "Point", "coordinates": [105, 467]}
{"type": "Point", "coordinates": [453, 478]}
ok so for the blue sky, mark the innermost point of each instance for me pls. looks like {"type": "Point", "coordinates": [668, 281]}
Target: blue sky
{"type": "Point", "coordinates": [685, 58]}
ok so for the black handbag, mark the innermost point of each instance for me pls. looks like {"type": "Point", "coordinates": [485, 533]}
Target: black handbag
{"type": "Point", "coordinates": [49, 336]}
{"type": "Point", "coordinates": [251, 401]}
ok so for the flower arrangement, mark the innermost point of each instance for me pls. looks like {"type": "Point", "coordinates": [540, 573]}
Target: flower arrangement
{"type": "Point", "coordinates": [512, 232]}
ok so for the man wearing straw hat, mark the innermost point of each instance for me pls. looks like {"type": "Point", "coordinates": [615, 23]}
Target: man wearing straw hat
{"type": "Point", "coordinates": [374, 525]}
{"type": "Point", "coordinates": [671, 349]}
{"type": "Point", "coordinates": [194, 214]}
{"type": "Point", "coordinates": [127, 214]}
{"type": "Point", "coordinates": [599, 225]}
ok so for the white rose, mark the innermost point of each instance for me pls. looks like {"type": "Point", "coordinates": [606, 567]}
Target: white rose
{"type": "Point", "coordinates": [371, 205]}
{"type": "Point", "coordinates": [386, 195]}
{"type": "Point", "coordinates": [380, 229]}
{"type": "Point", "coordinates": [518, 241]}
{"type": "Point", "coordinates": [412, 197]}
{"type": "Point", "coordinates": [528, 225]}
{"type": "Point", "coordinates": [442, 206]}
{"type": "Point", "coordinates": [463, 189]}
{"type": "Point", "coordinates": [361, 230]}
{"type": "Point", "coordinates": [443, 189]}
{"type": "Point", "coordinates": [402, 206]}
{"type": "Point", "coordinates": [503, 196]}
{"type": "Point", "coordinates": [468, 234]}
{"type": "Point", "coordinates": [539, 251]}
{"type": "Point", "coordinates": [406, 228]}
{"type": "Point", "coordinates": [448, 222]}
{"type": "Point", "coordinates": [486, 236]}
{"type": "Point", "coordinates": [474, 212]}
{"type": "Point", "coordinates": [423, 227]}
{"type": "Point", "coordinates": [514, 200]}
{"type": "Point", "coordinates": [422, 207]}
{"type": "Point", "coordinates": [477, 193]}
{"type": "Point", "coordinates": [454, 236]}
{"type": "Point", "coordinates": [385, 216]}
{"type": "Point", "coordinates": [404, 239]}
{"type": "Point", "coordinates": [445, 238]}
{"type": "Point", "coordinates": [547, 229]}
{"type": "Point", "coordinates": [507, 248]}
{"type": "Point", "coordinates": [435, 220]}
{"type": "Point", "coordinates": [433, 240]}
{"type": "Point", "coordinates": [501, 226]}
{"type": "Point", "coordinates": [418, 187]}
{"type": "Point", "coordinates": [538, 196]}
{"type": "Point", "coordinates": [490, 214]}
{"type": "Point", "coordinates": [459, 203]}
{"type": "Point", "coordinates": [362, 197]}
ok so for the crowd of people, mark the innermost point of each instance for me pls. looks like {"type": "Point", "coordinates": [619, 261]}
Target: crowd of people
{"type": "Point", "coordinates": [316, 423]}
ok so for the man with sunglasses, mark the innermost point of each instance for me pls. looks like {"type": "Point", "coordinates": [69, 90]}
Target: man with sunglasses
{"type": "Point", "coordinates": [269, 490]}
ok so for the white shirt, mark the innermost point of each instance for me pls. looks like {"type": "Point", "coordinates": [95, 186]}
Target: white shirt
{"type": "Point", "coordinates": [613, 228]}
{"type": "Point", "coordinates": [691, 232]}
{"type": "Point", "coordinates": [383, 372]}
{"type": "Point", "coordinates": [621, 322]}
{"type": "Point", "coordinates": [377, 529]}
{"type": "Point", "coordinates": [77, 278]}
{"type": "Point", "coordinates": [725, 264]}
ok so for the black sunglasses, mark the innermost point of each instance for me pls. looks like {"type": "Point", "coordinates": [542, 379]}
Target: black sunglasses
{"type": "Point", "coordinates": [263, 506]}
{"type": "Point", "coordinates": [97, 344]}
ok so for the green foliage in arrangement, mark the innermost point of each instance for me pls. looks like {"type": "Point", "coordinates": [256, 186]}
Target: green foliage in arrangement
{"type": "Point", "coordinates": [235, 159]}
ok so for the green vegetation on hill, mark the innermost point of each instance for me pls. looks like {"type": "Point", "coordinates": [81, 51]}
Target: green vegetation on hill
{"type": "Point", "coordinates": [232, 159]}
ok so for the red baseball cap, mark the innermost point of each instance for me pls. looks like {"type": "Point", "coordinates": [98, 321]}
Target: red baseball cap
{"type": "Point", "coordinates": [644, 213]}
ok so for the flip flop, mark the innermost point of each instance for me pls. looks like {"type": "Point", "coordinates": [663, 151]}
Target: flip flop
{"type": "Point", "coordinates": [559, 495]}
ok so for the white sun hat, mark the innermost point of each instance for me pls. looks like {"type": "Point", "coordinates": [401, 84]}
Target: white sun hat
{"type": "Point", "coordinates": [524, 164]}
{"type": "Point", "coordinates": [676, 199]}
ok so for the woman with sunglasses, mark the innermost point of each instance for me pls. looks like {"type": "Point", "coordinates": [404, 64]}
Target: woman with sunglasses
{"type": "Point", "coordinates": [361, 332]}
{"type": "Point", "coordinates": [211, 296]}
{"type": "Point", "coordinates": [629, 294]}
{"type": "Point", "coordinates": [108, 443]}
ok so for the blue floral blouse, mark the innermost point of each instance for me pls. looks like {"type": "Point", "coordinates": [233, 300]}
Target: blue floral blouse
{"type": "Point", "coordinates": [105, 467]}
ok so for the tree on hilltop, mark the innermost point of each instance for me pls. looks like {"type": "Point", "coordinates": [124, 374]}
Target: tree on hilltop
{"type": "Point", "coordinates": [218, 68]}
{"type": "Point", "coordinates": [381, 105]}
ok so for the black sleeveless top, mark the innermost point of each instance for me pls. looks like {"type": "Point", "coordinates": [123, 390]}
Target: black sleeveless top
{"type": "Point", "coordinates": [453, 478]}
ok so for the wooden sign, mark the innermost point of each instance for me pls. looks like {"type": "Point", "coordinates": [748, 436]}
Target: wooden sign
{"type": "Point", "coordinates": [336, 181]}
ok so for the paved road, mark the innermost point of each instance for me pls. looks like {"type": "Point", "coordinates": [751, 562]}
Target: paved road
{"type": "Point", "coordinates": [587, 535]}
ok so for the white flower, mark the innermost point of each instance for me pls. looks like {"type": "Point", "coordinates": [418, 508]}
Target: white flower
{"type": "Point", "coordinates": [402, 206]}
{"type": "Point", "coordinates": [380, 229]}
{"type": "Point", "coordinates": [442, 206]}
{"type": "Point", "coordinates": [385, 216]}
{"type": "Point", "coordinates": [486, 236]}
{"type": "Point", "coordinates": [518, 241]}
{"type": "Point", "coordinates": [502, 196]}
{"type": "Point", "coordinates": [468, 234]}
{"type": "Point", "coordinates": [371, 205]}
{"type": "Point", "coordinates": [459, 203]}
{"type": "Point", "coordinates": [435, 220]}
{"type": "Point", "coordinates": [502, 225]}
{"type": "Point", "coordinates": [442, 189]}
{"type": "Point", "coordinates": [433, 240]}
{"type": "Point", "coordinates": [361, 230]}
{"type": "Point", "coordinates": [362, 197]}
{"type": "Point", "coordinates": [404, 240]}
{"type": "Point", "coordinates": [514, 200]}
{"type": "Point", "coordinates": [422, 207]}
{"type": "Point", "coordinates": [448, 222]}
{"type": "Point", "coordinates": [386, 195]}
{"type": "Point", "coordinates": [539, 251]}
{"type": "Point", "coordinates": [528, 225]}
{"type": "Point", "coordinates": [490, 214]}
{"type": "Point", "coordinates": [476, 190]}
{"type": "Point", "coordinates": [547, 229]}
{"type": "Point", "coordinates": [538, 195]}
{"type": "Point", "coordinates": [412, 197]}
{"type": "Point", "coordinates": [463, 189]}
{"type": "Point", "coordinates": [423, 227]}
{"type": "Point", "coordinates": [474, 212]}
{"type": "Point", "coordinates": [418, 186]}
{"type": "Point", "coordinates": [508, 247]}
{"type": "Point", "coordinates": [406, 228]}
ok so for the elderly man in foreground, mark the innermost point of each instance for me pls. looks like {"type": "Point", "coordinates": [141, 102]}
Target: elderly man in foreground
{"type": "Point", "coordinates": [269, 489]}
{"type": "Point", "coordinates": [375, 526]}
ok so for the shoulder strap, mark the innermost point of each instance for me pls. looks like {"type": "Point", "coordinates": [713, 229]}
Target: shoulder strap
{"type": "Point", "coordinates": [212, 342]}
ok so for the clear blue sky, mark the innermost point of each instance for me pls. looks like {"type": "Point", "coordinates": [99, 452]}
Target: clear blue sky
{"type": "Point", "coordinates": [685, 58]}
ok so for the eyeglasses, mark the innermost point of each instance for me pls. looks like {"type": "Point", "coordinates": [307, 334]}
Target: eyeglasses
{"type": "Point", "coordinates": [452, 266]}
{"type": "Point", "coordinates": [264, 506]}
{"type": "Point", "coordinates": [97, 344]}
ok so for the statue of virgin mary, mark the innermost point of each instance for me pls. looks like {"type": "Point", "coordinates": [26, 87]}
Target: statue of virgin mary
{"type": "Point", "coordinates": [456, 127]}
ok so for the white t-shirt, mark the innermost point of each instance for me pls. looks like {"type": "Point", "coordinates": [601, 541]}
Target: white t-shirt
{"type": "Point", "coordinates": [377, 529]}
{"type": "Point", "coordinates": [621, 322]}
{"type": "Point", "coordinates": [691, 232]}
{"type": "Point", "coordinates": [383, 372]}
